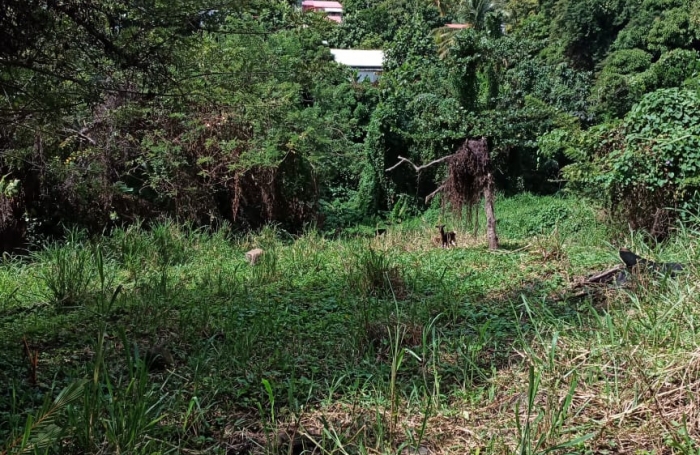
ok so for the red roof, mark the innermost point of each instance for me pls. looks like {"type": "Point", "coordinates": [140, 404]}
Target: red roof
{"type": "Point", "coordinates": [458, 25]}
{"type": "Point", "coordinates": [320, 4]}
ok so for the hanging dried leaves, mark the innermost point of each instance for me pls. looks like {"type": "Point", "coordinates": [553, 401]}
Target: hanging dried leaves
{"type": "Point", "coordinates": [468, 177]}
{"type": "Point", "coordinates": [468, 174]}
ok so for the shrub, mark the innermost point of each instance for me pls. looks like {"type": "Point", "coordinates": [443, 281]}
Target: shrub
{"type": "Point", "coordinates": [627, 61]}
{"type": "Point", "coordinates": [674, 67]}
{"type": "Point", "coordinates": [624, 79]}
{"type": "Point", "coordinates": [658, 167]}
{"type": "Point", "coordinates": [613, 95]}
{"type": "Point", "coordinates": [629, 74]}
{"type": "Point", "coordinates": [644, 167]}
{"type": "Point", "coordinates": [579, 151]}
{"type": "Point", "coordinates": [671, 29]}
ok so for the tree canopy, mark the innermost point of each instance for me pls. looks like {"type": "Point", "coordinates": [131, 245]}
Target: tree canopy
{"type": "Point", "coordinates": [117, 110]}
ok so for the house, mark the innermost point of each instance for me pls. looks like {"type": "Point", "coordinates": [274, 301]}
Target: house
{"type": "Point", "coordinates": [333, 10]}
{"type": "Point", "coordinates": [367, 63]}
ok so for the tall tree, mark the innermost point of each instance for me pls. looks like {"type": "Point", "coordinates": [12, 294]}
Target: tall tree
{"type": "Point", "coordinates": [486, 16]}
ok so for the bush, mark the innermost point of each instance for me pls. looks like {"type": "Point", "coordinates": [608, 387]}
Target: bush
{"type": "Point", "coordinates": [675, 67]}
{"type": "Point", "coordinates": [659, 166]}
{"type": "Point", "coordinates": [628, 74]}
{"type": "Point", "coordinates": [642, 168]}
{"type": "Point", "coordinates": [627, 61]}
{"type": "Point", "coordinates": [613, 95]}
{"type": "Point", "coordinates": [625, 77]}
{"type": "Point", "coordinates": [671, 29]}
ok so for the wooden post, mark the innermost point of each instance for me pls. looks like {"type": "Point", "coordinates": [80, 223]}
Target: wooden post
{"type": "Point", "coordinates": [490, 214]}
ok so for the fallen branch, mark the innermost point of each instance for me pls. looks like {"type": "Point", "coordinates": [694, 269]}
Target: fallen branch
{"type": "Point", "coordinates": [584, 286]}
{"type": "Point", "coordinates": [604, 277]}
{"type": "Point", "coordinates": [419, 168]}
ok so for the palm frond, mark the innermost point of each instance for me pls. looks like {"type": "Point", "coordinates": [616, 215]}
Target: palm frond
{"type": "Point", "coordinates": [444, 36]}
{"type": "Point", "coordinates": [41, 431]}
{"type": "Point", "coordinates": [477, 11]}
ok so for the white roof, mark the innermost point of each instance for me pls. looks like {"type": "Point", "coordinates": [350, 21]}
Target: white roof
{"type": "Point", "coordinates": [359, 58]}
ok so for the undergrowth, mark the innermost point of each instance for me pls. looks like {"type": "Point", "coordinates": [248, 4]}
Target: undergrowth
{"type": "Point", "coordinates": [167, 341]}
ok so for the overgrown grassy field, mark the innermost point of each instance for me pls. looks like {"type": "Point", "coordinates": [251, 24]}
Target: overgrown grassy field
{"type": "Point", "coordinates": [168, 341]}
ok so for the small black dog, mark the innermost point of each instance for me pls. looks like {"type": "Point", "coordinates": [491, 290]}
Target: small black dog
{"type": "Point", "coordinates": [447, 239]}
{"type": "Point", "coordinates": [636, 264]}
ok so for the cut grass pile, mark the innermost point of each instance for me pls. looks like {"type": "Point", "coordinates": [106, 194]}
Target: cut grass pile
{"type": "Point", "coordinates": [168, 341]}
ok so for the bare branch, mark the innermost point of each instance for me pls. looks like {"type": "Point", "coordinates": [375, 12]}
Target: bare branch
{"type": "Point", "coordinates": [419, 168]}
{"type": "Point", "coordinates": [82, 134]}
{"type": "Point", "coordinates": [434, 193]}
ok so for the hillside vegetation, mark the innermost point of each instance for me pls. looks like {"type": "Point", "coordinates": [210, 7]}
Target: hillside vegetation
{"type": "Point", "coordinates": [147, 146]}
{"type": "Point", "coordinates": [115, 110]}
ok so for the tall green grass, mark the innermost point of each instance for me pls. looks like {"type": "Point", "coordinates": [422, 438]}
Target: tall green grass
{"type": "Point", "coordinates": [358, 345]}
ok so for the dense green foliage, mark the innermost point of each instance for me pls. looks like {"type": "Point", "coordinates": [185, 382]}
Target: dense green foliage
{"type": "Point", "coordinates": [240, 118]}
{"type": "Point", "coordinates": [116, 111]}
{"type": "Point", "coordinates": [647, 164]}
{"type": "Point", "coordinates": [143, 143]}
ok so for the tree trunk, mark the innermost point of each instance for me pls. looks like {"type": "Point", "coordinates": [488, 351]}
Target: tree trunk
{"type": "Point", "coordinates": [490, 214]}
